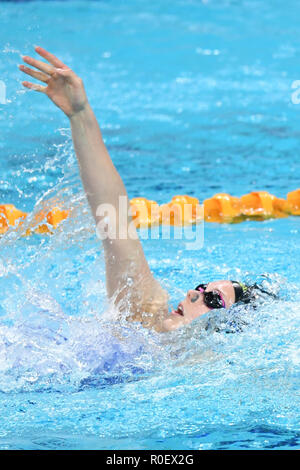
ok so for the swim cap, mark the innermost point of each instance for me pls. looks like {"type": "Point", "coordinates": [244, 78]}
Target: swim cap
{"type": "Point", "coordinates": [239, 289]}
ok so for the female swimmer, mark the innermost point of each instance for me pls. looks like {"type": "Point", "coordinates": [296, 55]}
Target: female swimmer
{"type": "Point", "coordinates": [143, 296]}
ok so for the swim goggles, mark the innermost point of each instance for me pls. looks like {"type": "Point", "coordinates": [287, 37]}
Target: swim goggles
{"type": "Point", "coordinates": [212, 299]}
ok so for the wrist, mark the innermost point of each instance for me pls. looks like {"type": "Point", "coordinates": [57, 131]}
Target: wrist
{"type": "Point", "coordinates": [84, 111]}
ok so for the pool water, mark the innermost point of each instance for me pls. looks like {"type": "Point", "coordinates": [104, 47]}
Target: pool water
{"type": "Point", "coordinates": [193, 98]}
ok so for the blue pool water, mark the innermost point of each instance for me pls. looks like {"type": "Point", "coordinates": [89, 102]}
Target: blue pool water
{"type": "Point", "coordinates": [193, 98]}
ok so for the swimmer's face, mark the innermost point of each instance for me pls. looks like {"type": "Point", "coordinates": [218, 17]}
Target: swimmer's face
{"type": "Point", "coordinates": [193, 305]}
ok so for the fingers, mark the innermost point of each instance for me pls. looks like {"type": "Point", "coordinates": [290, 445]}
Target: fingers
{"type": "Point", "coordinates": [35, 74]}
{"type": "Point", "coordinates": [38, 64]}
{"type": "Point", "coordinates": [46, 71]}
{"type": "Point", "coordinates": [34, 86]}
{"type": "Point", "coordinates": [66, 73]}
{"type": "Point", "coordinates": [50, 57]}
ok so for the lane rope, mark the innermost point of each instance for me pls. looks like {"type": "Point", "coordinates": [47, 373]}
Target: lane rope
{"type": "Point", "coordinates": [181, 210]}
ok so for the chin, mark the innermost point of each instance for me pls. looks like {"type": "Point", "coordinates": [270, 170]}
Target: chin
{"type": "Point", "coordinates": [173, 323]}
{"type": "Point", "coordinates": [169, 325]}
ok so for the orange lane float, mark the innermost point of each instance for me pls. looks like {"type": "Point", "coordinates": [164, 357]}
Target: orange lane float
{"type": "Point", "coordinates": [10, 216]}
{"type": "Point", "coordinates": [281, 208]}
{"type": "Point", "coordinates": [258, 204]}
{"type": "Point", "coordinates": [46, 217]}
{"type": "Point", "coordinates": [145, 213]}
{"type": "Point", "coordinates": [222, 208]}
{"type": "Point", "coordinates": [263, 205]}
{"type": "Point", "coordinates": [56, 216]}
{"type": "Point", "coordinates": [293, 202]}
{"type": "Point", "coordinates": [182, 210]}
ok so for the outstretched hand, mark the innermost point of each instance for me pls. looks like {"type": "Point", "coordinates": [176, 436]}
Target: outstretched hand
{"type": "Point", "coordinates": [63, 86]}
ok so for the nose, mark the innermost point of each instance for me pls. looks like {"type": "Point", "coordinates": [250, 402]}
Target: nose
{"type": "Point", "coordinates": [193, 295]}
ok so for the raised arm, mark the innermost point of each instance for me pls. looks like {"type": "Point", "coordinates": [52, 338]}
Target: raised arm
{"type": "Point", "coordinates": [130, 282]}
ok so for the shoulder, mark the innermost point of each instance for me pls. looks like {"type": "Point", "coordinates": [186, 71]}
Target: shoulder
{"type": "Point", "coordinates": [153, 307]}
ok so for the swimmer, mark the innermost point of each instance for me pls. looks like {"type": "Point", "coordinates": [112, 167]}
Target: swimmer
{"type": "Point", "coordinates": [129, 281]}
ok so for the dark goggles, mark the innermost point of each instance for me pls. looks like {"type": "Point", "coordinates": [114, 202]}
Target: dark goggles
{"type": "Point", "coordinates": [212, 299]}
